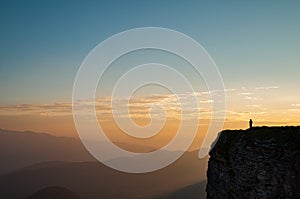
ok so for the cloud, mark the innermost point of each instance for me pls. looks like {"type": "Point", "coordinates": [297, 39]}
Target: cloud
{"type": "Point", "coordinates": [295, 110]}
{"type": "Point", "coordinates": [37, 109]}
{"type": "Point", "coordinates": [252, 98]}
{"type": "Point", "coordinates": [296, 105]}
{"type": "Point", "coordinates": [137, 107]}
{"type": "Point", "coordinates": [245, 93]}
{"type": "Point", "coordinates": [254, 105]}
{"type": "Point", "coordinates": [230, 90]}
{"type": "Point", "coordinates": [245, 100]}
{"type": "Point", "coordinates": [266, 87]}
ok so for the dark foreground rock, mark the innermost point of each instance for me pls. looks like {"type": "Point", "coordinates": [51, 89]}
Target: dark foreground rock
{"type": "Point", "coordinates": [261, 162]}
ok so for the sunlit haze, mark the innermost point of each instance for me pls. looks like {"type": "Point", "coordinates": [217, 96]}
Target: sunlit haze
{"type": "Point", "coordinates": [255, 45]}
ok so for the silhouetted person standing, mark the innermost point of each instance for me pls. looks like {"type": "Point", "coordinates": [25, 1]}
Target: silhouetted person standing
{"type": "Point", "coordinates": [250, 123]}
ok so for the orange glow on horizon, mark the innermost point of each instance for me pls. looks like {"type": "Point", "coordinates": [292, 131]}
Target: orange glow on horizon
{"type": "Point", "coordinates": [242, 105]}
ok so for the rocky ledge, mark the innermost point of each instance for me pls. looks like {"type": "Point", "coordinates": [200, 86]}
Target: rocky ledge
{"type": "Point", "coordinates": [261, 162]}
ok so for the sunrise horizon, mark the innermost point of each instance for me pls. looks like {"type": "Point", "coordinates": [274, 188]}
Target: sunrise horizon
{"type": "Point", "coordinates": [149, 99]}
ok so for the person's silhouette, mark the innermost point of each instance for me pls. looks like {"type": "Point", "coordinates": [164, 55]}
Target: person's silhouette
{"type": "Point", "coordinates": [250, 123]}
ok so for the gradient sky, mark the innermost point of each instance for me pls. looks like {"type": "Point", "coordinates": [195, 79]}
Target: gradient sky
{"type": "Point", "coordinates": [255, 44]}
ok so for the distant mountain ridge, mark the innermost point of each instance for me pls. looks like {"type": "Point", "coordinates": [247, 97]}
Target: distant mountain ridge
{"type": "Point", "coordinates": [194, 191]}
{"type": "Point", "coordinates": [32, 161]}
{"type": "Point", "coordinates": [94, 180]}
{"type": "Point", "coordinates": [54, 193]}
{"type": "Point", "coordinates": [21, 149]}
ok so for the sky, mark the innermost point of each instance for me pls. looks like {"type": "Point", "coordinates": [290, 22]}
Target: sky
{"type": "Point", "coordinates": [255, 45]}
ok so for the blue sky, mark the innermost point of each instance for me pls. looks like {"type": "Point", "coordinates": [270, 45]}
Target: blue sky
{"type": "Point", "coordinates": [43, 43]}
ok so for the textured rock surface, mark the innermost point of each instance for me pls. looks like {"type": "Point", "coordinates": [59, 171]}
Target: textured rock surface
{"type": "Point", "coordinates": [261, 162]}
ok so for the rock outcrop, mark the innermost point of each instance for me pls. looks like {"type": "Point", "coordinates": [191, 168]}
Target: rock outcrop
{"type": "Point", "coordinates": [261, 162]}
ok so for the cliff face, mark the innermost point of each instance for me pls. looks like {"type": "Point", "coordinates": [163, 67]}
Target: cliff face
{"type": "Point", "coordinates": [261, 162]}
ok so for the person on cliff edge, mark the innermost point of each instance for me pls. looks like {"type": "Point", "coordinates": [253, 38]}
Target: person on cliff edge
{"type": "Point", "coordinates": [250, 123]}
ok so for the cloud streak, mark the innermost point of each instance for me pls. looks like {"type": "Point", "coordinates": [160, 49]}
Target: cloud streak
{"type": "Point", "coordinates": [243, 103]}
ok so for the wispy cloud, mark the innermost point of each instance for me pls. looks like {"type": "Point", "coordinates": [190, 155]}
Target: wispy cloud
{"type": "Point", "coordinates": [295, 110]}
{"type": "Point", "coordinates": [254, 105]}
{"type": "Point", "coordinates": [246, 93]}
{"type": "Point", "coordinates": [136, 106]}
{"type": "Point", "coordinates": [42, 109]}
{"type": "Point", "coordinates": [242, 104]}
{"type": "Point", "coordinates": [252, 98]}
{"type": "Point", "coordinates": [296, 105]}
{"type": "Point", "coordinates": [266, 87]}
